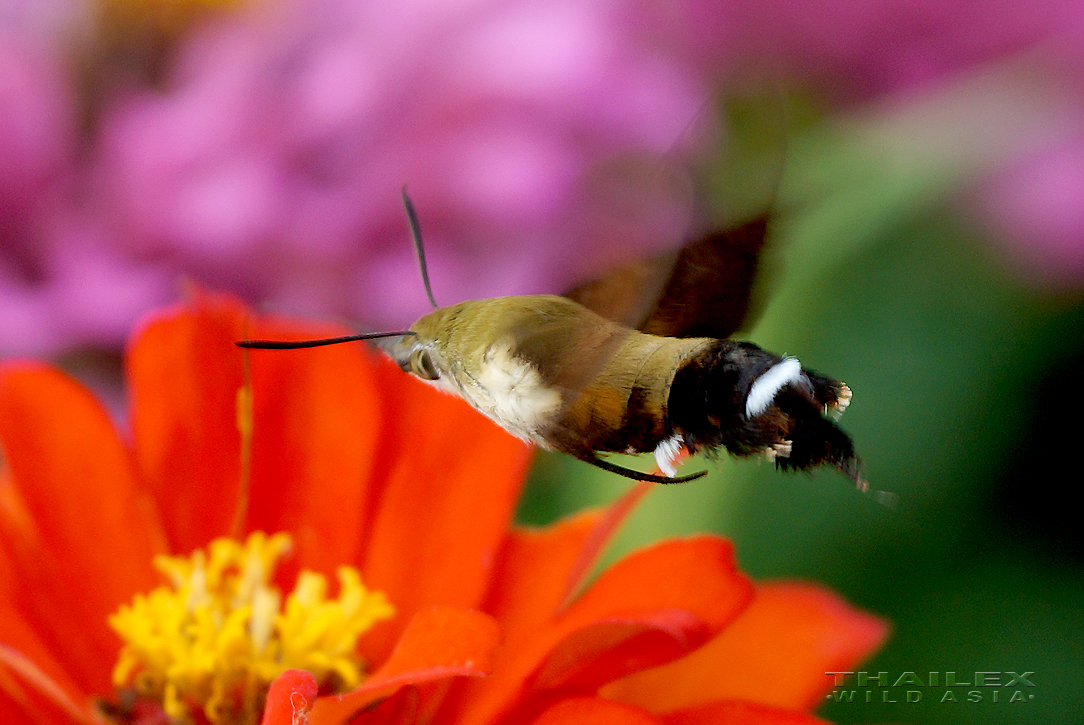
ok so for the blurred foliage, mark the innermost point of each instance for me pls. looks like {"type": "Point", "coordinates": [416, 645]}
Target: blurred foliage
{"type": "Point", "coordinates": [967, 406]}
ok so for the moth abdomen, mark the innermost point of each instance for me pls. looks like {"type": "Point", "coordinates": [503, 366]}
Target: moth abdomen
{"type": "Point", "coordinates": [624, 407]}
{"type": "Point", "coordinates": [737, 396]}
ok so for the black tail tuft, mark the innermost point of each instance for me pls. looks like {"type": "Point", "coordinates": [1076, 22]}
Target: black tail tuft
{"type": "Point", "coordinates": [708, 407]}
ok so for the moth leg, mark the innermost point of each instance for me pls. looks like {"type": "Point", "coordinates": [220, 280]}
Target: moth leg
{"type": "Point", "coordinates": [637, 475]}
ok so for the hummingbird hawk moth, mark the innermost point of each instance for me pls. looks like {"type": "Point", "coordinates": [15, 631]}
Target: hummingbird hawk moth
{"type": "Point", "coordinates": [590, 372]}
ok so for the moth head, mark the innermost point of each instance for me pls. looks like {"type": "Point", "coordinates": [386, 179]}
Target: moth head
{"type": "Point", "coordinates": [425, 353]}
{"type": "Point", "coordinates": [418, 357]}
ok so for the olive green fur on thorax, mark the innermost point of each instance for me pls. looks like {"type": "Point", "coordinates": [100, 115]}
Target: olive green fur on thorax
{"type": "Point", "coordinates": [610, 382]}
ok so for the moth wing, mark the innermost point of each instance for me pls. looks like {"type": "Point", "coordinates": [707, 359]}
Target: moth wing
{"type": "Point", "coordinates": [568, 347]}
{"type": "Point", "coordinates": [704, 289]}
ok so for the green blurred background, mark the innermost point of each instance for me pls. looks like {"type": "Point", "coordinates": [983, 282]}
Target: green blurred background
{"type": "Point", "coordinates": [967, 406]}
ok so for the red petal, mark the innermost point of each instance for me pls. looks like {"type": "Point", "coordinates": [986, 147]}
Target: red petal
{"type": "Point", "coordinates": [445, 507]}
{"type": "Point", "coordinates": [733, 712]}
{"type": "Point", "coordinates": [28, 689]}
{"type": "Point", "coordinates": [438, 643]}
{"type": "Point", "coordinates": [776, 653]}
{"type": "Point", "coordinates": [541, 568]}
{"type": "Point", "coordinates": [697, 574]}
{"type": "Point", "coordinates": [290, 696]}
{"type": "Point", "coordinates": [79, 533]}
{"type": "Point", "coordinates": [605, 651]}
{"type": "Point", "coordinates": [400, 708]}
{"type": "Point", "coordinates": [30, 673]}
{"type": "Point", "coordinates": [18, 630]}
{"type": "Point", "coordinates": [532, 582]}
{"type": "Point", "coordinates": [183, 376]}
{"type": "Point", "coordinates": [315, 419]}
{"type": "Point", "coordinates": [20, 711]}
{"type": "Point", "coordinates": [654, 605]}
{"type": "Point", "coordinates": [612, 519]}
{"type": "Point", "coordinates": [593, 711]}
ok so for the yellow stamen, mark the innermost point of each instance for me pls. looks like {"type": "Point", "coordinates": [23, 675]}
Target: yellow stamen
{"type": "Point", "coordinates": [219, 633]}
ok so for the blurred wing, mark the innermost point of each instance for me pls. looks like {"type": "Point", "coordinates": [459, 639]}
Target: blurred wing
{"type": "Point", "coordinates": [702, 290]}
{"type": "Point", "coordinates": [567, 346]}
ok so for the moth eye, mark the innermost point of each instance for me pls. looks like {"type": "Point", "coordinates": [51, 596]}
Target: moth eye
{"type": "Point", "coordinates": [421, 364]}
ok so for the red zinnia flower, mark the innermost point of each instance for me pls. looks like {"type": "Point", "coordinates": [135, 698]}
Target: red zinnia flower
{"type": "Point", "coordinates": [405, 495]}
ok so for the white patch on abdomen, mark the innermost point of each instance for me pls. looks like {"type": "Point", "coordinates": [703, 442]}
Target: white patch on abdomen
{"type": "Point", "coordinates": [509, 391]}
{"type": "Point", "coordinates": [770, 382]}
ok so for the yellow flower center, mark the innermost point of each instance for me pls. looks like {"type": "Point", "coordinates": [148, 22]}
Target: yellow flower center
{"type": "Point", "coordinates": [212, 640]}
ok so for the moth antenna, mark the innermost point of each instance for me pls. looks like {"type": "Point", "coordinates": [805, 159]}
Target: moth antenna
{"type": "Point", "coordinates": [419, 248]}
{"type": "Point", "coordinates": [298, 344]}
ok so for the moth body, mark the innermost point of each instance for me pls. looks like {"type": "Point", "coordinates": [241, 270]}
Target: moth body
{"type": "Point", "coordinates": [562, 377]}
{"type": "Point", "coordinates": [647, 378]}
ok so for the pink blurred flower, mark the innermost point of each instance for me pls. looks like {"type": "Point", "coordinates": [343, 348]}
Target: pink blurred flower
{"type": "Point", "coordinates": [531, 136]}
{"type": "Point", "coordinates": [1034, 210]}
{"type": "Point", "coordinates": [540, 142]}
{"type": "Point", "coordinates": [861, 50]}
{"type": "Point", "coordinates": [1029, 193]}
